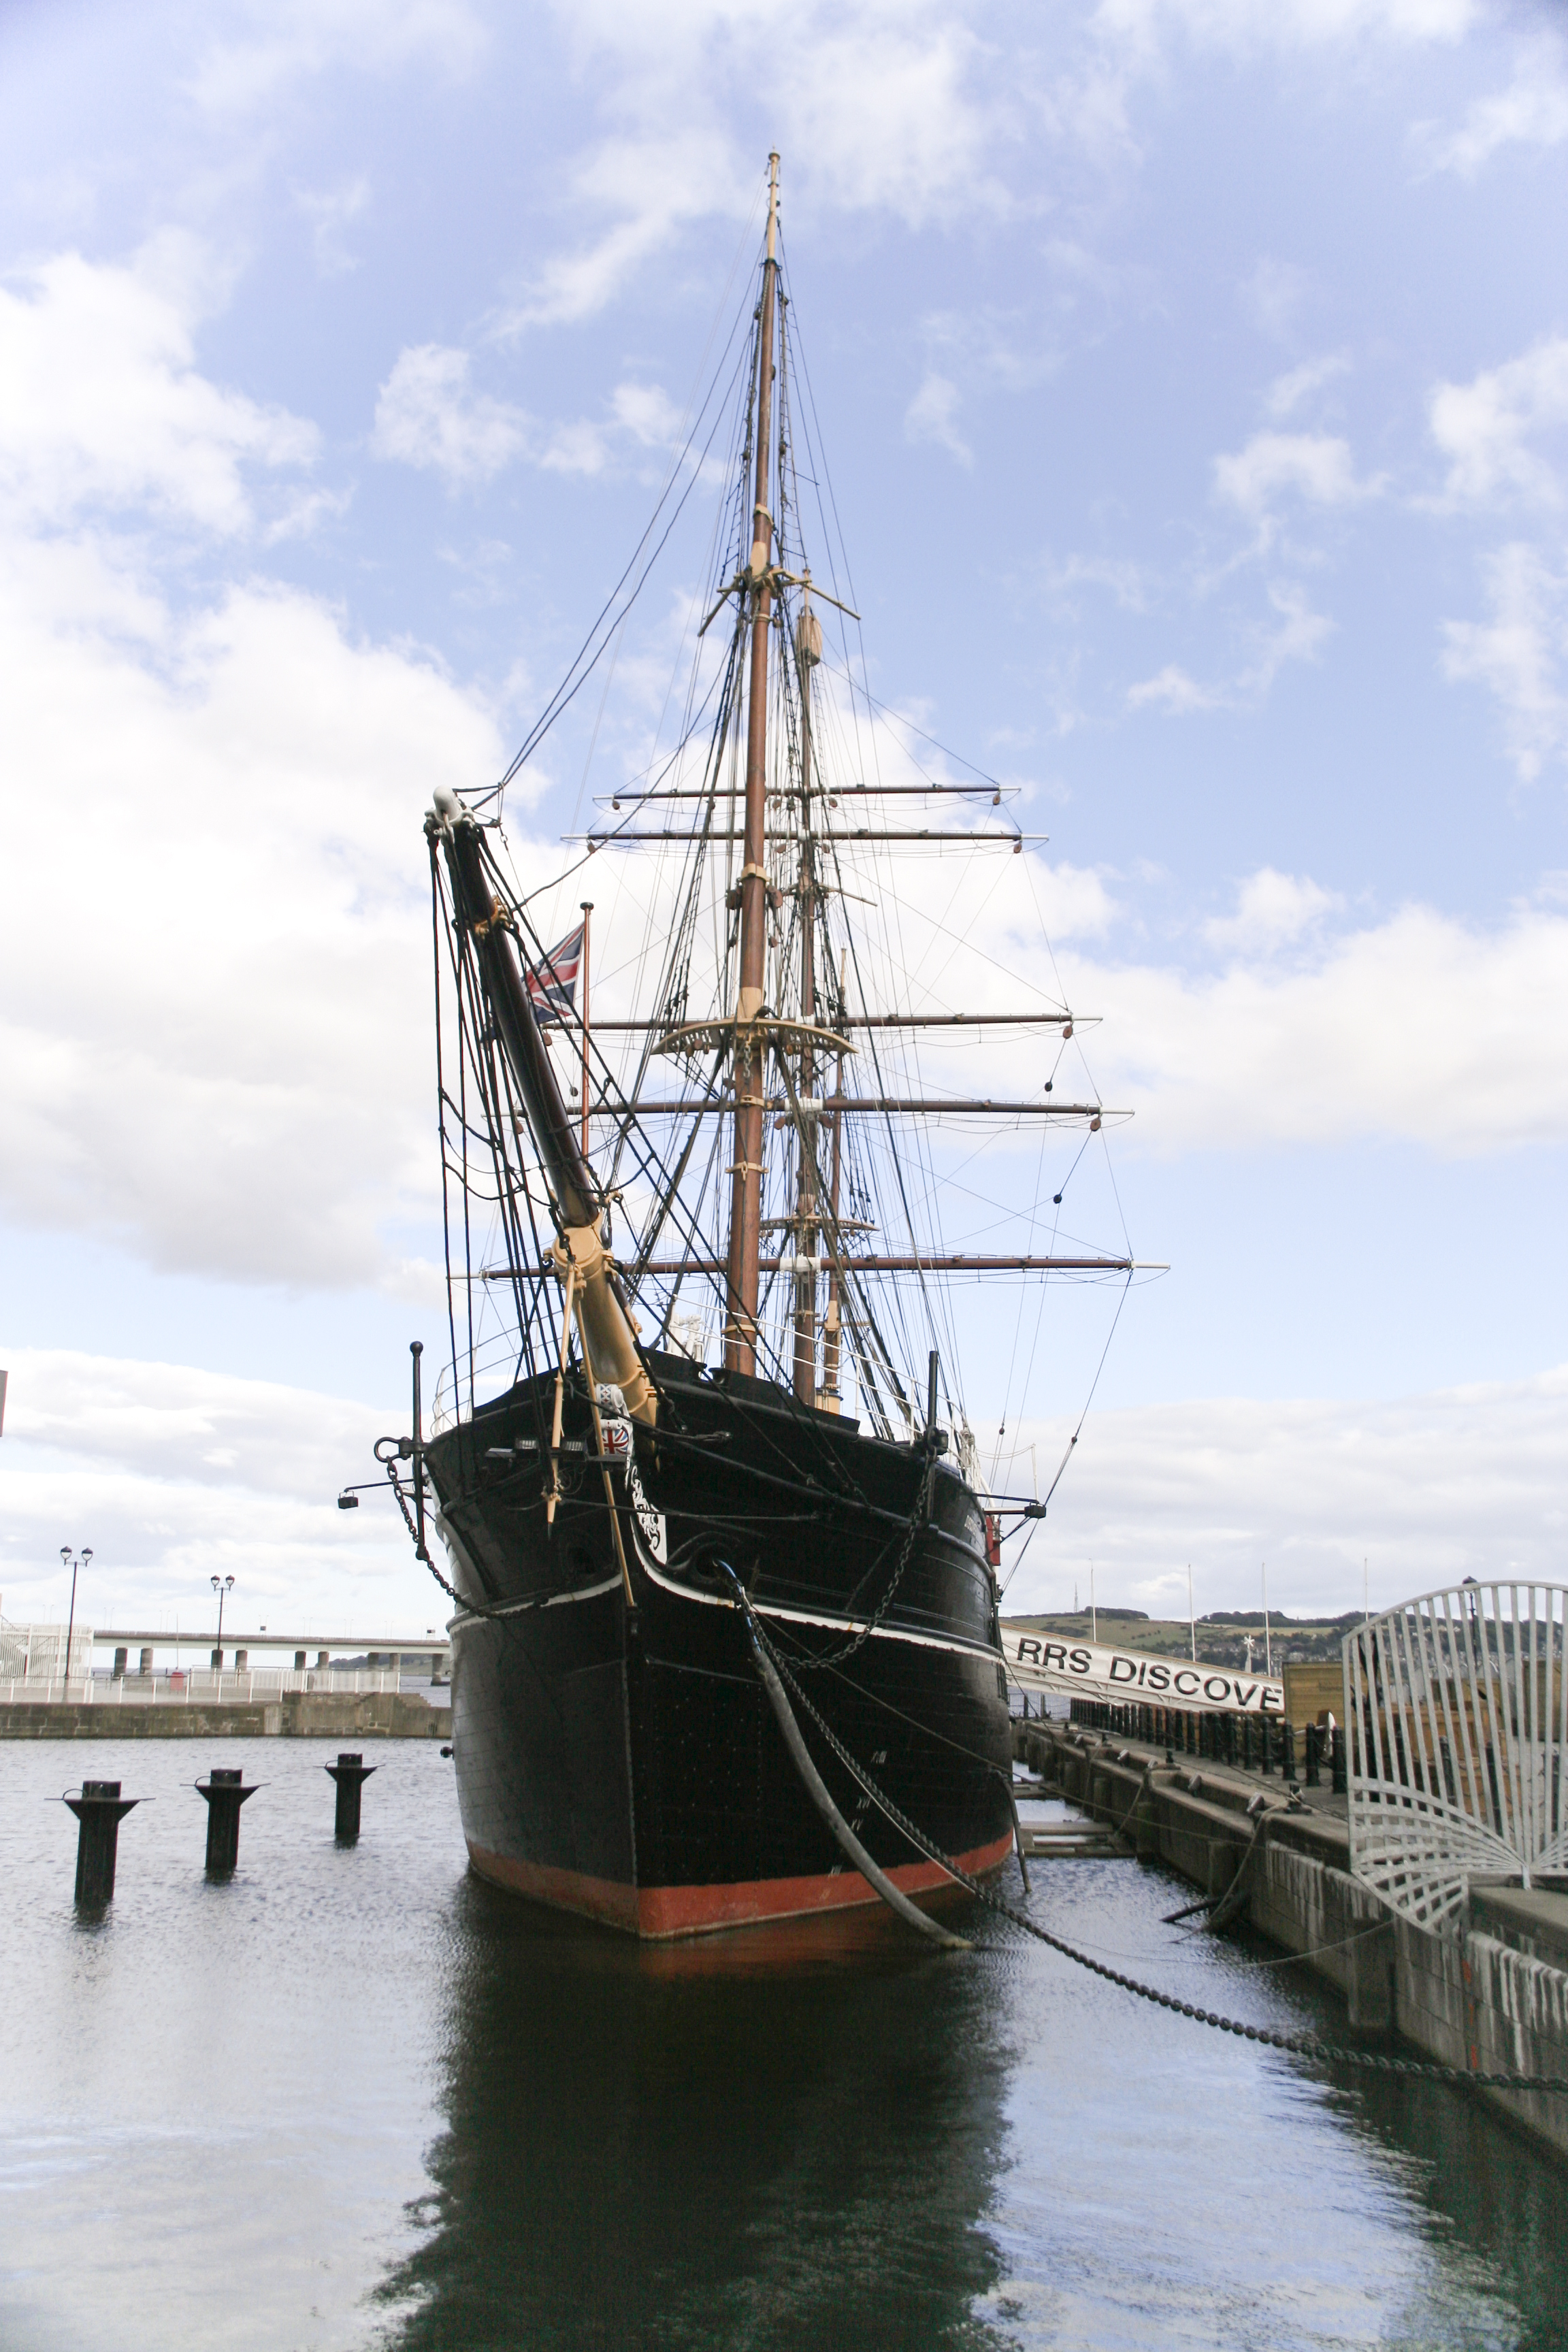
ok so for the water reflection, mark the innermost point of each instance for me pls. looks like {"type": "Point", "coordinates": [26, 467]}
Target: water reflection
{"type": "Point", "coordinates": [715, 2143]}
{"type": "Point", "coordinates": [1491, 2202]}
{"type": "Point", "coordinates": [840, 2141]}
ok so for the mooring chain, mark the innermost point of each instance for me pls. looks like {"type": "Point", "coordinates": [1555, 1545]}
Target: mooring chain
{"type": "Point", "coordinates": [1299, 2045]}
{"type": "Point", "coordinates": [472, 1608]}
{"type": "Point", "coordinates": [918, 1517]}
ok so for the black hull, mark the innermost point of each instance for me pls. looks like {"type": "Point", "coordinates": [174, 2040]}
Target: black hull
{"type": "Point", "coordinates": [620, 1760]}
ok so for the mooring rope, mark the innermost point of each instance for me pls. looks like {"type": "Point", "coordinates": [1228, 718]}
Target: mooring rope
{"type": "Point", "coordinates": [1299, 2045]}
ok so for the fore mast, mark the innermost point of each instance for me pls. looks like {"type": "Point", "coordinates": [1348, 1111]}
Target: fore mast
{"type": "Point", "coordinates": [746, 1173]}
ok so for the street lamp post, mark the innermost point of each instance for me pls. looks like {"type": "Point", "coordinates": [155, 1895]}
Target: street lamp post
{"type": "Point", "coordinates": [223, 1586]}
{"type": "Point", "coordinates": [68, 1559]}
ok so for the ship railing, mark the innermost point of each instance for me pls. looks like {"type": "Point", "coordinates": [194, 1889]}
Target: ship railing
{"type": "Point", "coordinates": [496, 1363]}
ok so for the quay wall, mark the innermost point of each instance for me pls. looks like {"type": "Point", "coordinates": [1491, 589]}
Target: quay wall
{"type": "Point", "coordinates": [1489, 1998]}
{"type": "Point", "coordinates": [365, 1715]}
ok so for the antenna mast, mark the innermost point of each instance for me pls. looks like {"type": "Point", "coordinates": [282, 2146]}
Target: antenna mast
{"type": "Point", "coordinates": [747, 1175]}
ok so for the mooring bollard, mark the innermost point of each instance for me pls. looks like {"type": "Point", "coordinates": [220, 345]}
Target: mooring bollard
{"type": "Point", "coordinates": [1287, 1750]}
{"type": "Point", "coordinates": [1314, 1778]}
{"type": "Point", "coordinates": [224, 1795]}
{"type": "Point", "coordinates": [351, 1773]}
{"type": "Point", "coordinates": [99, 1810]}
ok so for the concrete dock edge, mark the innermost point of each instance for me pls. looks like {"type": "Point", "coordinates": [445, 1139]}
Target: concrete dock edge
{"type": "Point", "coordinates": [304, 1715]}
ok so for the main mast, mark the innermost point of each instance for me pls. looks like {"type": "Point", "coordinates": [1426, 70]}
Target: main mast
{"type": "Point", "coordinates": [746, 1174]}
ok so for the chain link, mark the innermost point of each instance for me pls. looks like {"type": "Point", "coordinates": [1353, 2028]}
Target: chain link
{"type": "Point", "coordinates": [472, 1608]}
{"type": "Point", "coordinates": [917, 1518]}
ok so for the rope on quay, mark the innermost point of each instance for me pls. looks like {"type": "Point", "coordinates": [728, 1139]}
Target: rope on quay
{"type": "Point", "coordinates": [1298, 2046]}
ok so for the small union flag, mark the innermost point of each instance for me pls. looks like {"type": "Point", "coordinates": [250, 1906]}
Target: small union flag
{"type": "Point", "coordinates": [553, 984]}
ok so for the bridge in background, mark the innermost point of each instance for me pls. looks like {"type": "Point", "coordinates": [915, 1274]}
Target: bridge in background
{"type": "Point", "coordinates": [433, 1645]}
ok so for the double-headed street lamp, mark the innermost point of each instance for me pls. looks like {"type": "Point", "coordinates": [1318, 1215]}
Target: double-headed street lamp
{"type": "Point", "coordinates": [68, 1559]}
{"type": "Point", "coordinates": [223, 1586]}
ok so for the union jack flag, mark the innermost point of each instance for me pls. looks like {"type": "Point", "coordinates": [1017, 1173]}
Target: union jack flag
{"type": "Point", "coordinates": [553, 984]}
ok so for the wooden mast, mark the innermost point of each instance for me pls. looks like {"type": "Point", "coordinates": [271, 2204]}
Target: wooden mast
{"type": "Point", "coordinates": [746, 1173]}
{"type": "Point", "coordinates": [832, 1394]}
{"type": "Point", "coordinates": [588, 913]}
{"type": "Point", "coordinates": [808, 652]}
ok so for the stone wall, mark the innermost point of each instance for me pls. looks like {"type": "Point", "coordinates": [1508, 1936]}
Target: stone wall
{"type": "Point", "coordinates": [365, 1714]}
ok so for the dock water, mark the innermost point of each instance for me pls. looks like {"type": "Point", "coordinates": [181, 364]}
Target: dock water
{"type": "Point", "coordinates": [1492, 1998]}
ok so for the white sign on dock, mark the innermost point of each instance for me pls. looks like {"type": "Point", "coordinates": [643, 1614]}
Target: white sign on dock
{"type": "Point", "coordinates": [1054, 1661]}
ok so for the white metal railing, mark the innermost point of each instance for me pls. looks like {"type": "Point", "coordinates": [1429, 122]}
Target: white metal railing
{"type": "Point", "coordinates": [29, 1650]}
{"type": "Point", "coordinates": [201, 1685]}
{"type": "Point", "coordinates": [1457, 1706]}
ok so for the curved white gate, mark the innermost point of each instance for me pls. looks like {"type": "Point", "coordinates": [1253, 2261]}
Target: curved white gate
{"type": "Point", "coordinates": [1456, 1724]}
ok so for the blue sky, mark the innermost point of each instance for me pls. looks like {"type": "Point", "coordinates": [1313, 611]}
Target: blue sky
{"type": "Point", "coordinates": [1194, 376]}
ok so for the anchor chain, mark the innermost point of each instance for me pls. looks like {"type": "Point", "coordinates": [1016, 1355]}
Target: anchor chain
{"type": "Point", "coordinates": [918, 1515]}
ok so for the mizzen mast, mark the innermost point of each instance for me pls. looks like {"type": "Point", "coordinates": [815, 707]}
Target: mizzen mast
{"type": "Point", "coordinates": [746, 1174]}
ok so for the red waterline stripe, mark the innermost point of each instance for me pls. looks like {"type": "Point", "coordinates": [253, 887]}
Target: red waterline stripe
{"type": "Point", "coordinates": [662, 1912]}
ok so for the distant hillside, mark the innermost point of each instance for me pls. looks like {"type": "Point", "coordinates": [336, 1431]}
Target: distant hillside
{"type": "Point", "coordinates": [1221, 1636]}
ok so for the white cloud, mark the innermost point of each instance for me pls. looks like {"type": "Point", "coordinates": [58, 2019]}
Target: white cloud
{"type": "Point", "coordinates": [1428, 1489]}
{"type": "Point", "coordinates": [173, 1474]}
{"type": "Point", "coordinates": [1416, 1026]}
{"type": "Point", "coordinates": [228, 1074]}
{"type": "Point", "coordinates": [1275, 294]}
{"type": "Point", "coordinates": [1314, 464]}
{"type": "Point", "coordinates": [1273, 910]}
{"type": "Point", "coordinates": [1297, 634]}
{"type": "Point", "coordinates": [426, 416]}
{"type": "Point", "coordinates": [1420, 1027]}
{"type": "Point", "coordinates": [646, 412]}
{"type": "Point", "coordinates": [932, 416]}
{"type": "Point", "coordinates": [880, 108]}
{"type": "Point", "coordinates": [1253, 24]}
{"type": "Point", "coordinates": [898, 114]}
{"type": "Point", "coordinates": [1128, 581]}
{"type": "Point", "coordinates": [330, 211]}
{"type": "Point", "coordinates": [1483, 426]}
{"type": "Point", "coordinates": [651, 185]}
{"type": "Point", "coordinates": [1286, 391]}
{"type": "Point", "coordinates": [899, 109]}
{"type": "Point", "coordinates": [1172, 690]}
{"type": "Point", "coordinates": [1532, 112]}
{"type": "Point", "coordinates": [1521, 653]}
{"type": "Point", "coordinates": [101, 405]}
{"type": "Point", "coordinates": [268, 44]}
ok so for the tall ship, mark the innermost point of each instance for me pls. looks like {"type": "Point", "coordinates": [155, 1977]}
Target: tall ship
{"type": "Point", "coordinates": [708, 1503]}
